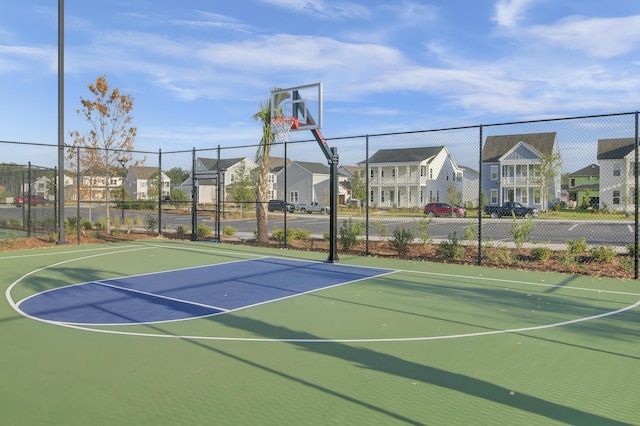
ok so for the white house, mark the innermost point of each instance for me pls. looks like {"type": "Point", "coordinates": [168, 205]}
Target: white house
{"type": "Point", "coordinates": [207, 177]}
{"type": "Point", "coordinates": [412, 177]}
{"type": "Point", "coordinates": [141, 179]}
{"type": "Point", "coordinates": [616, 158]}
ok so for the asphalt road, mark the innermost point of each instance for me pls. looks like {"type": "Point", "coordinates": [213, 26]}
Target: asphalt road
{"type": "Point", "coordinates": [596, 232]}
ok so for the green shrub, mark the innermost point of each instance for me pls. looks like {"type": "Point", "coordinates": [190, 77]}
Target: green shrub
{"type": "Point", "coordinates": [182, 231]}
{"type": "Point", "coordinates": [576, 247]}
{"type": "Point", "coordinates": [202, 231]}
{"type": "Point", "coordinates": [520, 231]}
{"type": "Point", "coordinates": [604, 254]}
{"type": "Point", "coordinates": [349, 232]}
{"type": "Point", "coordinates": [229, 231]}
{"type": "Point", "coordinates": [151, 223]}
{"type": "Point", "coordinates": [401, 239]}
{"type": "Point", "coordinates": [541, 253]}
{"type": "Point", "coordinates": [326, 236]}
{"type": "Point", "coordinates": [86, 225]}
{"type": "Point", "coordinates": [383, 230]}
{"type": "Point", "coordinates": [631, 249]}
{"type": "Point", "coordinates": [302, 234]}
{"type": "Point", "coordinates": [421, 227]}
{"type": "Point", "coordinates": [450, 249]}
{"type": "Point", "coordinates": [470, 233]}
{"type": "Point", "coordinates": [278, 234]}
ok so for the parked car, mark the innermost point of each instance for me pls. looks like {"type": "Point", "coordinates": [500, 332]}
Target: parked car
{"type": "Point", "coordinates": [444, 209]}
{"type": "Point", "coordinates": [510, 209]}
{"type": "Point", "coordinates": [21, 199]}
{"type": "Point", "coordinates": [313, 206]}
{"type": "Point", "coordinates": [279, 206]}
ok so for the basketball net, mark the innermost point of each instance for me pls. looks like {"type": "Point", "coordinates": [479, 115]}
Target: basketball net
{"type": "Point", "coordinates": [281, 126]}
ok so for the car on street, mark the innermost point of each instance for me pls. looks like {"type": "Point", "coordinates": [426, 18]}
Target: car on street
{"type": "Point", "coordinates": [279, 206]}
{"type": "Point", "coordinates": [444, 209]}
{"type": "Point", "coordinates": [22, 199]}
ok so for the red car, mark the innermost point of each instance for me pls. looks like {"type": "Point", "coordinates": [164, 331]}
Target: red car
{"type": "Point", "coordinates": [21, 200]}
{"type": "Point", "coordinates": [444, 209]}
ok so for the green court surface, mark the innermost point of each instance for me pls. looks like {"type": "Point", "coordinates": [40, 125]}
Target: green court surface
{"type": "Point", "coordinates": [425, 344]}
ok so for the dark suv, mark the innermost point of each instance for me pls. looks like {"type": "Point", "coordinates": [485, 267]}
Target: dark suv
{"type": "Point", "coordinates": [279, 206]}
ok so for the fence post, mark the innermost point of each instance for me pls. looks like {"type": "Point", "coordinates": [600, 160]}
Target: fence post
{"type": "Point", "coordinates": [194, 196]}
{"type": "Point", "coordinates": [480, 206]}
{"type": "Point", "coordinates": [160, 191]}
{"type": "Point", "coordinates": [635, 202]}
{"type": "Point", "coordinates": [366, 196]}
{"type": "Point", "coordinates": [78, 194]}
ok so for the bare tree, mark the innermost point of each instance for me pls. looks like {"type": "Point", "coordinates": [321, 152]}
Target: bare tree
{"type": "Point", "coordinates": [110, 139]}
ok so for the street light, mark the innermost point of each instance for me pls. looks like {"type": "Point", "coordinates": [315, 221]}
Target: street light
{"type": "Point", "coordinates": [123, 163]}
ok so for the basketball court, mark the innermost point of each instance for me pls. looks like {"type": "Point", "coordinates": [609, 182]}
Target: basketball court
{"type": "Point", "coordinates": [165, 332]}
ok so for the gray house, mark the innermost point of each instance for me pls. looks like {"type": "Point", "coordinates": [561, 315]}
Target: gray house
{"type": "Point", "coordinates": [306, 182]}
{"type": "Point", "coordinates": [616, 159]}
{"type": "Point", "coordinates": [511, 169]}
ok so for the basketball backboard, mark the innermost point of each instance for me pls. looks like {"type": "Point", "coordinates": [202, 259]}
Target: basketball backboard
{"type": "Point", "coordinates": [303, 103]}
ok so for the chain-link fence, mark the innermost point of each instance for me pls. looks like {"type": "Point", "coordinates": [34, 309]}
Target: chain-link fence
{"type": "Point", "coordinates": [497, 191]}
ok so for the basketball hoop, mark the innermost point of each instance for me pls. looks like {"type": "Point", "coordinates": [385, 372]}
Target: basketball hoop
{"type": "Point", "coordinates": [281, 125]}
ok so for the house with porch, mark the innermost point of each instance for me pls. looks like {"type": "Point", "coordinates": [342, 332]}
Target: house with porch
{"type": "Point", "coordinates": [511, 169]}
{"type": "Point", "coordinates": [616, 158]}
{"type": "Point", "coordinates": [583, 187]}
{"type": "Point", "coordinates": [412, 177]}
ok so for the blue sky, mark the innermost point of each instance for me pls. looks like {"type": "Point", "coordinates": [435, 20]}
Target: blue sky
{"type": "Point", "coordinates": [199, 69]}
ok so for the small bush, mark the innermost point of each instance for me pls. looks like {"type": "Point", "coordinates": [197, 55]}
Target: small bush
{"type": "Point", "coordinates": [450, 249]}
{"type": "Point", "coordinates": [604, 254]}
{"type": "Point", "coordinates": [182, 231]}
{"type": "Point", "coordinates": [521, 231]}
{"type": "Point", "coordinates": [541, 253]}
{"type": "Point", "coordinates": [302, 234]}
{"type": "Point", "coordinates": [278, 234]}
{"type": "Point", "coordinates": [576, 247]}
{"type": "Point", "coordinates": [202, 231]}
{"type": "Point", "coordinates": [421, 227]}
{"type": "Point", "coordinates": [151, 223]}
{"type": "Point", "coordinates": [631, 249]}
{"type": "Point", "coordinates": [326, 236]}
{"type": "Point", "coordinates": [86, 225]}
{"type": "Point", "coordinates": [349, 232]}
{"type": "Point", "coordinates": [229, 231]}
{"type": "Point", "coordinates": [470, 233]}
{"type": "Point", "coordinates": [401, 239]}
{"type": "Point", "coordinates": [383, 230]}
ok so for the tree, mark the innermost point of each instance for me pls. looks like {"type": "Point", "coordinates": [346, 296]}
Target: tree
{"type": "Point", "coordinates": [454, 197]}
{"type": "Point", "coordinates": [111, 137]}
{"type": "Point", "coordinates": [177, 175]}
{"type": "Point", "coordinates": [547, 171]}
{"type": "Point", "coordinates": [262, 158]}
{"type": "Point", "coordinates": [359, 186]}
{"type": "Point", "coordinates": [242, 189]}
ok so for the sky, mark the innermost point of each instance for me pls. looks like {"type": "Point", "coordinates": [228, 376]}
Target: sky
{"type": "Point", "coordinates": [199, 69]}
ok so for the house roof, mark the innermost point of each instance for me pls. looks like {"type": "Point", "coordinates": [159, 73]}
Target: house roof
{"type": "Point", "coordinates": [315, 168]}
{"type": "Point", "coordinates": [349, 169]}
{"type": "Point", "coordinates": [589, 187]}
{"type": "Point", "coordinates": [614, 149]}
{"type": "Point", "coordinates": [212, 163]}
{"type": "Point", "coordinates": [143, 172]}
{"type": "Point", "coordinates": [496, 146]}
{"type": "Point", "coordinates": [469, 171]}
{"type": "Point", "coordinates": [404, 155]}
{"type": "Point", "coordinates": [590, 170]}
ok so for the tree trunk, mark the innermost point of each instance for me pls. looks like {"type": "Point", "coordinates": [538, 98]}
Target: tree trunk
{"type": "Point", "coordinates": [262, 204]}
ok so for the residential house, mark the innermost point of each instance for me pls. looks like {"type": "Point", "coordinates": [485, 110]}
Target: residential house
{"type": "Point", "coordinates": [470, 186]}
{"type": "Point", "coordinates": [616, 159]}
{"type": "Point", "coordinates": [584, 186]}
{"type": "Point", "coordinates": [305, 182]}
{"type": "Point", "coordinates": [141, 180]}
{"type": "Point", "coordinates": [94, 188]}
{"type": "Point", "coordinates": [511, 169]}
{"type": "Point", "coordinates": [412, 177]}
{"type": "Point", "coordinates": [207, 175]}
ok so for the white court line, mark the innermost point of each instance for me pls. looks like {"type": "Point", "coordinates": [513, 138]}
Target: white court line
{"type": "Point", "coordinates": [365, 340]}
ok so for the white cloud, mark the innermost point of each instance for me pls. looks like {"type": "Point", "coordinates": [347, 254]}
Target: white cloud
{"type": "Point", "coordinates": [509, 12]}
{"type": "Point", "coordinates": [323, 9]}
{"type": "Point", "coordinates": [599, 37]}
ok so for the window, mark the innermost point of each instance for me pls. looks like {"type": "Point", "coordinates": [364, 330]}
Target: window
{"type": "Point", "coordinates": [371, 197]}
{"type": "Point", "coordinates": [537, 196]}
{"type": "Point", "coordinates": [616, 169]}
{"type": "Point", "coordinates": [430, 173]}
{"type": "Point", "coordinates": [494, 172]}
{"type": "Point", "coordinates": [392, 196]}
{"type": "Point", "coordinates": [572, 182]}
{"type": "Point", "coordinates": [294, 197]}
{"type": "Point", "coordinates": [371, 173]}
{"type": "Point", "coordinates": [494, 196]}
{"type": "Point", "coordinates": [393, 172]}
{"type": "Point", "coordinates": [524, 197]}
{"type": "Point", "coordinates": [382, 196]}
{"type": "Point", "coordinates": [423, 171]}
{"type": "Point", "coordinates": [438, 195]}
{"type": "Point", "coordinates": [430, 196]}
{"type": "Point", "coordinates": [616, 197]}
{"type": "Point", "coordinates": [459, 176]}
